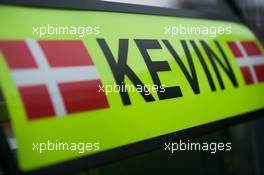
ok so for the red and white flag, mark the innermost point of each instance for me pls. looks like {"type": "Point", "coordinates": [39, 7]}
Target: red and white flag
{"type": "Point", "coordinates": [250, 59]}
{"type": "Point", "coordinates": [54, 77]}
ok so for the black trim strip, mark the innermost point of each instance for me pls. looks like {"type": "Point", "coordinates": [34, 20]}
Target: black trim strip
{"type": "Point", "coordinates": [120, 7]}
{"type": "Point", "coordinates": [123, 152]}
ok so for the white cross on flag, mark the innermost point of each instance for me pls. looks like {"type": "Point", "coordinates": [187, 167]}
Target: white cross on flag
{"type": "Point", "coordinates": [54, 77]}
{"type": "Point", "coordinates": [250, 59]}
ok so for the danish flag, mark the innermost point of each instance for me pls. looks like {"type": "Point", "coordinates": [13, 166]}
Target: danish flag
{"type": "Point", "coordinates": [54, 77]}
{"type": "Point", "coordinates": [250, 59]}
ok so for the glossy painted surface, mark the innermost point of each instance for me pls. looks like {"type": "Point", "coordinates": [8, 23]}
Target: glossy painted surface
{"type": "Point", "coordinates": [119, 124]}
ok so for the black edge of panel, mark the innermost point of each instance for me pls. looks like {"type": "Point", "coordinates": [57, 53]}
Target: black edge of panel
{"type": "Point", "coordinates": [96, 5]}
